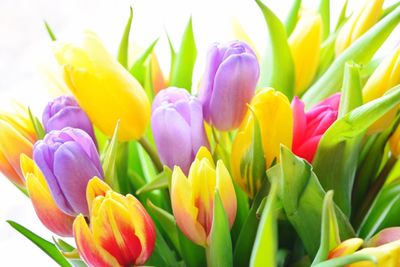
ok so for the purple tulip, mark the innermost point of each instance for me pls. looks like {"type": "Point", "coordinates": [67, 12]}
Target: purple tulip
{"type": "Point", "coordinates": [63, 112]}
{"type": "Point", "coordinates": [228, 84]}
{"type": "Point", "coordinates": [178, 128]}
{"type": "Point", "coordinates": [68, 159]}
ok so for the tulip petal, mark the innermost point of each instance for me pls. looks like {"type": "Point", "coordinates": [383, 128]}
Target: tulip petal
{"type": "Point", "coordinates": [89, 250]}
{"type": "Point", "coordinates": [204, 153]}
{"type": "Point", "coordinates": [95, 187]}
{"type": "Point", "coordinates": [226, 191]}
{"type": "Point", "coordinates": [183, 206]}
{"type": "Point", "coordinates": [199, 137]}
{"type": "Point", "coordinates": [299, 122]}
{"type": "Point", "coordinates": [345, 248]}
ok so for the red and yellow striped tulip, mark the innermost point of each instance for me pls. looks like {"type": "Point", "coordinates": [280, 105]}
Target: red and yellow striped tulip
{"type": "Point", "coordinates": [46, 209]}
{"type": "Point", "coordinates": [345, 248]}
{"type": "Point", "coordinates": [121, 232]}
{"type": "Point", "coordinates": [192, 197]}
{"type": "Point", "coordinates": [17, 136]}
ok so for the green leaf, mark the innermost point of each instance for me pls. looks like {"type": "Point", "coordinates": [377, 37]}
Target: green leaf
{"type": "Point", "coordinates": [138, 69]}
{"type": "Point", "coordinates": [327, 54]}
{"type": "Point", "coordinates": [49, 31]}
{"type": "Point", "coordinates": [124, 44]}
{"type": "Point", "coordinates": [265, 246]}
{"type": "Point", "coordinates": [291, 19]}
{"type": "Point", "coordinates": [161, 181]}
{"type": "Point", "coordinates": [109, 160]}
{"type": "Point", "coordinates": [329, 231]}
{"type": "Point", "coordinates": [342, 17]}
{"type": "Point", "coordinates": [173, 56]}
{"type": "Point", "coordinates": [37, 125]}
{"type": "Point", "coordinates": [346, 260]}
{"type": "Point", "coordinates": [361, 51]}
{"type": "Point", "coordinates": [337, 155]}
{"type": "Point", "coordinates": [324, 11]}
{"type": "Point", "coordinates": [49, 248]}
{"type": "Point", "coordinates": [64, 247]}
{"type": "Point", "coordinates": [302, 195]}
{"type": "Point", "coordinates": [242, 212]}
{"type": "Point", "coordinates": [192, 254]}
{"type": "Point", "coordinates": [386, 11]}
{"type": "Point", "coordinates": [351, 96]}
{"type": "Point", "coordinates": [219, 252]}
{"type": "Point", "coordinates": [162, 255]}
{"type": "Point", "coordinates": [278, 68]}
{"type": "Point", "coordinates": [184, 61]}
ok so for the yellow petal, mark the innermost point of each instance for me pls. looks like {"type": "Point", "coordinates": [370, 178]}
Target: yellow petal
{"type": "Point", "coordinates": [345, 248]}
{"type": "Point", "coordinates": [95, 187]}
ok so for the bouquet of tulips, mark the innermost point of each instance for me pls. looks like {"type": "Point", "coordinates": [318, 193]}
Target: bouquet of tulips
{"type": "Point", "coordinates": [283, 159]}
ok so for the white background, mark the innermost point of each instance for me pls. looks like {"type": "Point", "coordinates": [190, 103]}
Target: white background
{"type": "Point", "coordinates": [25, 50]}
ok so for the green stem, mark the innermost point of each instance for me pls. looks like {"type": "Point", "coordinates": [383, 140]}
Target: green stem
{"type": "Point", "coordinates": [208, 256]}
{"type": "Point", "coordinates": [152, 154]}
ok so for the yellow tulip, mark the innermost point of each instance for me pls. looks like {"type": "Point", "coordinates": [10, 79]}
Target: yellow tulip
{"type": "Point", "coordinates": [359, 22]}
{"type": "Point", "coordinates": [386, 76]}
{"type": "Point", "coordinates": [103, 88]}
{"type": "Point", "coordinates": [387, 255]}
{"type": "Point", "coordinates": [345, 248]}
{"type": "Point", "coordinates": [275, 118]}
{"type": "Point", "coordinates": [304, 43]}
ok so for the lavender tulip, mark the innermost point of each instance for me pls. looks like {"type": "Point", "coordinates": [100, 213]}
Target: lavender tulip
{"type": "Point", "coordinates": [228, 84]}
{"type": "Point", "coordinates": [178, 128]}
{"type": "Point", "coordinates": [63, 112]}
{"type": "Point", "coordinates": [68, 159]}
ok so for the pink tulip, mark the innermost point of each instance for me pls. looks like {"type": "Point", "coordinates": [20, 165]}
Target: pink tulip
{"type": "Point", "coordinates": [310, 126]}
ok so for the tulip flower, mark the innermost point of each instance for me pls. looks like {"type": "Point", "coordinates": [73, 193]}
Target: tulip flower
{"type": "Point", "coordinates": [46, 209]}
{"type": "Point", "coordinates": [121, 232]}
{"type": "Point", "coordinates": [178, 128]}
{"type": "Point", "coordinates": [158, 78]}
{"type": "Point", "coordinates": [17, 136]}
{"type": "Point", "coordinates": [360, 21]}
{"type": "Point", "coordinates": [104, 89]}
{"type": "Point", "coordinates": [63, 112]}
{"type": "Point", "coordinates": [228, 84]}
{"type": "Point", "coordinates": [304, 43]}
{"type": "Point", "coordinates": [394, 143]}
{"type": "Point", "coordinates": [68, 159]}
{"type": "Point", "coordinates": [309, 127]}
{"type": "Point", "coordinates": [385, 236]}
{"type": "Point", "coordinates": [192, 197]}
{"type": "Point", "coordinates": [272, 109]}
{"type": "Point", "coordinates": [386, 76]}
{"type": "Point", "coordinates": [345, 248]}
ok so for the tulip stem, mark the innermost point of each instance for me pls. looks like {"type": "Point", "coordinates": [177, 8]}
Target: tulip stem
{"type": "Point", "coordinates": [208, 256]}
{"type": "Point", "coordinates": [152, 154]}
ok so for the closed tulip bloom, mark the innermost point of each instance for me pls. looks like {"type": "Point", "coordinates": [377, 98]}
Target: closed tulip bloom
{"type": "Point", "coordinates": [228, 84]}
{"type": "Point", "coordinates": [68, 159]}
{"type": "Point", "coordinates": [384, 236]}
{"type": "Point", "coordinates": [345, 248]}
{"type": "Point", "coordinates": [17, 136]}
{"type": "Point", "coordinates": [304, 43]}
{"type": "Point", "coordinates": [386, 76]}
{"type": "Point", "coordinates": [387, 255]}
{"type": "Point", "coordinates": [178, 128]}
{"type": "Point", "coordinates": [46, 209]}
{"type": "Point", "coordinates": [192, 197]}
{"type": "Point", "coordinates": [274, 115]}
{"type": "Point", "coordinates": [394, 143]}
{"type": "Point", "coordinates": [63, 112]}
{"type": "Point", "coordinates": [360, 21]}
{"type": "Point", "coordinates": [157, 75]}
{"type": "Point", "coordinates": [121, 232]}
{"type": "Point", "coordinates": [104, 89]}
{"type": "Point", "coordinates": [309, 127]}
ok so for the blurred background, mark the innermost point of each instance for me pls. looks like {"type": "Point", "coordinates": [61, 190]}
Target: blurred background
{"type": "Point", "coordinates": [26, 51]}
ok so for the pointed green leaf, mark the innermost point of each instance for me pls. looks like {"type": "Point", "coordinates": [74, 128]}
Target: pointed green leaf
{"type": "Point", "coordinates": [291, 19]}
{"type": "Point", "coordinates": [109, 160]}
{"type": "Point", "coordinates": [162, 255]}
{"type": "Point", "coordinates": [386, 11]}
{"type": "Point", "coordinates": [242, 212]}
{"type": "Point", "coordinates": [329, 230]}
{"type": "Point", "coordinates": [342, 17]}
{"type": "Point", "coordinates": [265, 246]}
{"type": "Point", "coordinates": [173, 56]}
{"type": "Point", "coordinates": [324, 11]}
{"type": "Point", "coordinates": [37, 125]}
{"type": "Point", "coordinates": [161, 181]}
{"type": "Point", "coordinates": [337, 155]}
{"type": "Point", "coordinates": [219, 252]}
{"type": "Point", "coordinates": [49, 248]}
{"type": "Point", "coordinates": [361, 51]}
{"type": "Point", "coordinates": [193, 255]}
{"type": "Point", "coordinates": [138, 69]}
{"type": "Point", "coordinates": [278, 69]}
{"type": "Point", "coordinates": [124, 44]}
{"type": "Point", "coordinates": [185, 59]}
{"type": "Point", "coordinates": [346, 260]}
{"type": "Point", "coordinates": [49, 31]}
{"type": "Point", "coordinates": [64, 247]}
{"type": "Point", "coordinates": [327, 54]}
{"type": "Point", "coordinates": [351, 97]}
{"type": "Point", "coordinates": [302, 195]}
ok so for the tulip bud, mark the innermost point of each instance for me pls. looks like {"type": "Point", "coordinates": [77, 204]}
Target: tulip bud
{"type": "Point", "coordinates": [385, 236]}
{"type": "Point", "coordinates": [394, 143]}
{"type": "Point", "coordinates": [17, 136]}
{"type": "Point", "coordinates": [121, 232]}
{"type": "Point", "coordinates": [359, 22]}
{"type": "Point", "coordinates": [68, 159]}
{"type": "Point", "coordinates": [178, 128]}
{"type": "Point", "coordinates": [157, 75]}
{"type": "Point", "coordinates": [386, 76]}
{"type": "Point", "coordinates": [309, 127]}
{"type": "Point", "coordinates": [387, 255]}
{"type": "Point", "coordinates": [46, 209]}
{"type": "Point", "coordinates": [63, 112]}
{"type": "Point", "coordinates": [104, 89]}
{"type": "Point", "coordinates": [304, 43]}
{"type": "Point", "coordinates": [192, 197]}
{"type": "Point", "coordinates": [345, 248]}
{"type": "Point", "coordinates": [272, 109]}
{"type": "Point", "coordinates": [228, 84]}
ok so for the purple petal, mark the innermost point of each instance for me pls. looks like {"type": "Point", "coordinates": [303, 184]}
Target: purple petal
{"type": "Point", "coordinates": [199, 137]}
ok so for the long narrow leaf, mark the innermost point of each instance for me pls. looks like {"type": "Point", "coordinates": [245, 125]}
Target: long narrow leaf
{"type": "Point", "coordinates": [351, 97]}
{"type": "Point", "coordinates": [324, 10]}
{"type": "Point", "coordinates": [291, 19]}
{"type": "Point", "coordinates": [124, 44]}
